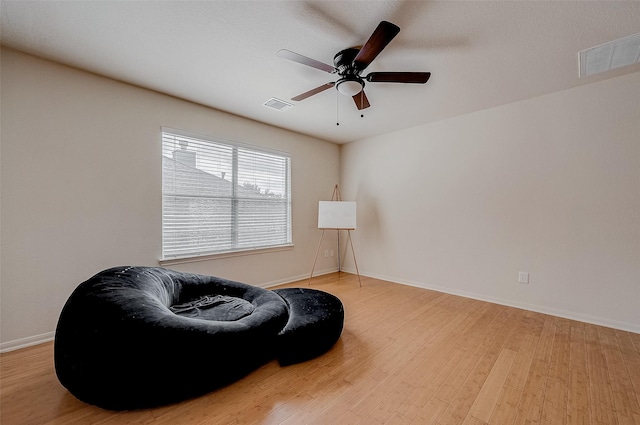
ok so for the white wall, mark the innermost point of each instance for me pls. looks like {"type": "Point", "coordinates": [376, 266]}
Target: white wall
{"type": "Point", "coordinates": [550, 186]}
{"type": "Point", "coordinates": [81, 188]}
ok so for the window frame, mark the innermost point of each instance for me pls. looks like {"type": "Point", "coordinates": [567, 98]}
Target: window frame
{"type": "Point", "coordinates": [235, 250]}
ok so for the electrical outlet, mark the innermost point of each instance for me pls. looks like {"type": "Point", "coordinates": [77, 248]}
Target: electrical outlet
{"type": "Point", "coordinates": [326, 253]}
{"type": "Point", "coordinates": [523, 277]}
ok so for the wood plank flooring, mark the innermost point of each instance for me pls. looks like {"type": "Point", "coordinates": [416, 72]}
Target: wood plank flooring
{"type": "Point", "coordinates": [406, 356]}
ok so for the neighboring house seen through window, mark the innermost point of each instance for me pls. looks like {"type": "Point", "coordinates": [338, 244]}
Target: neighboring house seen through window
{"type": "Point", "coordinates": [220, 196]}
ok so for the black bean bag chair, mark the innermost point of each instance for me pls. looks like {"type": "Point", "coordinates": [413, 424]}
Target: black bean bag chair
{"type": "Point", "coordinates": [139, 337]}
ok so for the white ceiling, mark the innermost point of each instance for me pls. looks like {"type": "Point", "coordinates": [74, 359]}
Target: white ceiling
{"type": "Point", "coordinates": [223, 53]}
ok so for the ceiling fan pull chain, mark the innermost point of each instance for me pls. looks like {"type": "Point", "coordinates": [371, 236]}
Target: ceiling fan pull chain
{"type": "Point", "coordinates": [337, 108]}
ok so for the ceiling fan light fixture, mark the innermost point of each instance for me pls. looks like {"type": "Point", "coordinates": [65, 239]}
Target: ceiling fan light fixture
{"type": "Point", "coordinates": [350, 87]}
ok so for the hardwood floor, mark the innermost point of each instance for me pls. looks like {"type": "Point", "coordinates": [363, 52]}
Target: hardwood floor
{"type": "Point", "coordinates": [406, 356]}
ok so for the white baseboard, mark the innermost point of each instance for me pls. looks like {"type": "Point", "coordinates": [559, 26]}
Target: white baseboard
{"type": "Point", "coordinates": [26, 342]}
{"type": "Point", "coordinates": [595, 320]}
{"type": "Point", "coordinates": [297, 278]}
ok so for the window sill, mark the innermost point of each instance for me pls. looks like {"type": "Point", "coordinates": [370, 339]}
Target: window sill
{"type": "Point", "coordinates": [207, 257]}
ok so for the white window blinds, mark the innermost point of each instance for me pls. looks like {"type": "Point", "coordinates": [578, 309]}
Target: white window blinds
{"type": "Point", "coordinates": [220, 196]}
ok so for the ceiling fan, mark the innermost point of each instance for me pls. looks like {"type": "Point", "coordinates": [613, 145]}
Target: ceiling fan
{"type": "Point", "coordinates": [350, 63]}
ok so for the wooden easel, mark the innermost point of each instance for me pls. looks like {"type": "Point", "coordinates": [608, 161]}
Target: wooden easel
{"type": "Point", "coordinates": [337, 197]}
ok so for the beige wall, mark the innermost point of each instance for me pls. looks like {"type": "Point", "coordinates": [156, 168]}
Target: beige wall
{"type": "Point", "coordinates": [550, 186]}
{"type": "Point", "coordinates": [81, 188]}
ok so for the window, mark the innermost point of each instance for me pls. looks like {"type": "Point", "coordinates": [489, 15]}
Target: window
{"type": "Point", "coordinates": [220, 196]}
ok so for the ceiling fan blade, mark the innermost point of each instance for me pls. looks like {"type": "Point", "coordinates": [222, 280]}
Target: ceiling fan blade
{"type": "Point", "coordinates": [311, 92]}
{"type": "Point", "coordinates": [361, 100]}
{"type": "Point", "coordinates": [398, 77]}
{"type": "Point", "coordinates": [296, 57]}
{"type": "Point", "coordinates": [383, 34]}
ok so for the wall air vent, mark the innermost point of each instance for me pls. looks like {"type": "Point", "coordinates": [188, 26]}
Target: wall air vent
{"type": "Point", "coordinates": [277, 104]}
{"type": "Point", "coordinates": [614, 54]}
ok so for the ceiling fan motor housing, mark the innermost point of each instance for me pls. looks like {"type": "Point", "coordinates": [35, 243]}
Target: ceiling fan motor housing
{"type": "Point", "coordinates": [343, 61]}
{"type": "Point", "coordinates": [350, 84]}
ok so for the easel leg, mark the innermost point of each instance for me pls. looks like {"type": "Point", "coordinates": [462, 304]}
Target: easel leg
{"type": "Point", "coordinates": [316, 259]}
{"type": "Point", "coordinates": [354, 258]}
{"type": "Point", "coordinates": [339, 263]}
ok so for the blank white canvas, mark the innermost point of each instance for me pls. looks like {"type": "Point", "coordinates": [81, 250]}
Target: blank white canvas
{"type": "Point", "coordinates": [336, 215]}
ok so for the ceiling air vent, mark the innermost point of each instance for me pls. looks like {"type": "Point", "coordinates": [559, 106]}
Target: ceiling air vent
{"type": "Point", "coordinates": [614, 54]}
{"type": "Point", "coordinates": [277, 104]}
